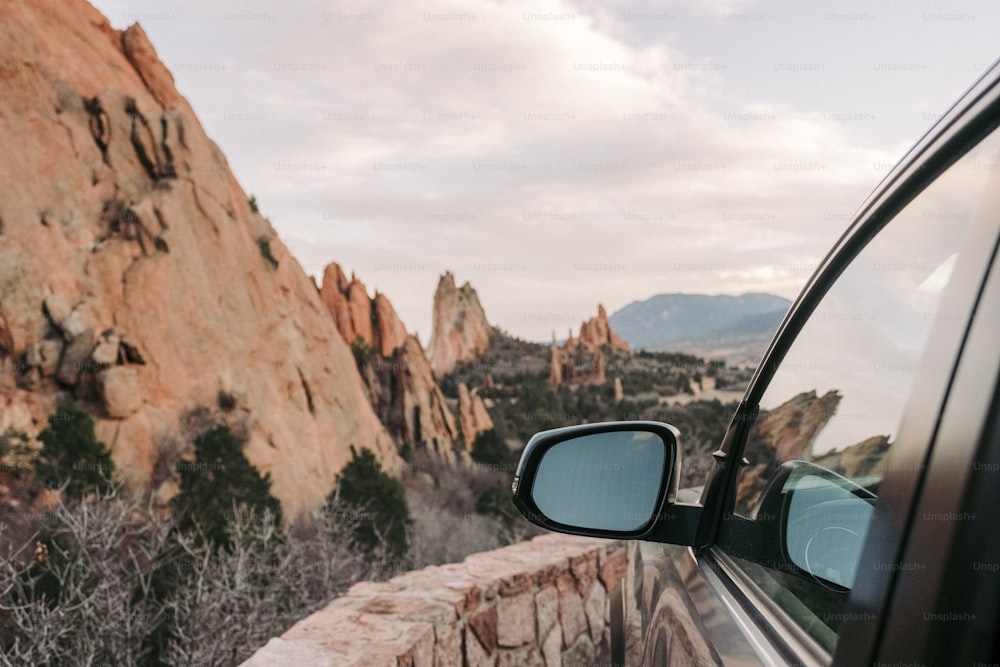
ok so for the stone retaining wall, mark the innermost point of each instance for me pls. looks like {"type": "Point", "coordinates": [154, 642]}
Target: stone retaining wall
{"type": "Point", "coordinates": [543, 602]}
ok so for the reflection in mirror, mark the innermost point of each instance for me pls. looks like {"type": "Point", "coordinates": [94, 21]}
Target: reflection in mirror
{"type": "Point", "coordinates": [826, 526]}
{"type": "Point", "coordinates": [603, 481]}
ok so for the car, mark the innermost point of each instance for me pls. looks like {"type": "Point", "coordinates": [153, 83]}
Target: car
{"type": "Point", "coordinates": [850, 514]}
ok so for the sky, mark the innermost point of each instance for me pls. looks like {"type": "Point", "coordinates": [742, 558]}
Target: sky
{"type": "Point", "coordinates": [557, 155]}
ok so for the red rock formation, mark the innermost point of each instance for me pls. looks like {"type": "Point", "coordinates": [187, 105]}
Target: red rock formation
{"type": "Point", "coordinates": [389, 330]}
{"type": "Point", "coordinates": [374, 320]}
{"type": "Point", "coordinates": [473, 417]}
{"type": "Point", "coordinates": [556, 362]}
{"type": "Point", "coordinates": [596, 332]}
{"type": "Point", "coordinates": [460, 329]}
{"type": "Point", "coordinates": [128, 244]}
{"type": "Point", "coordinates": [410, 403]}
{"type": "Point", "coordinates": [400, 382]}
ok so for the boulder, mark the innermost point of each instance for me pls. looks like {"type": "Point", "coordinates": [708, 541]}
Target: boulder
{"type": "Point", "coordinates": [76, 358]}
{"type": "Point", "coordinates": [106, 352]}
{"type": "Point", "coordinates": [121, 391]}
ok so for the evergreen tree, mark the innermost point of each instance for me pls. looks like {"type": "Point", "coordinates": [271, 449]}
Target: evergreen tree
{"type": "Point", "coordinates": [378, 501]}
{"type": "Point", "coordinates": [489, 448]}
{"type": "Point", "coordinates": [71, 454]}
{"type": "Point", "coordinates": [220, 481]}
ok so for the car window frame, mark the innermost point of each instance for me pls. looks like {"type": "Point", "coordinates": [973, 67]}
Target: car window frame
{"type": "Point", "coordinates": [970, 120]}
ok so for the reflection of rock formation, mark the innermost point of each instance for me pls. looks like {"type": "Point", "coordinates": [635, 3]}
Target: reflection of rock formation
{"type": "Point", "coordinates": [135, 276]}
{"type": "Point", "coordinates": [374, 320]}
{"type": "Point", "coordinates": [788, 432]}
{"type": "Point", "coordinates": [460, 330]}
{"type": "Point", "coordinates": [790, 429]}
{"type": "Point", "coordinates": [858, 462]}
{"type": "Point", "coordinates": [581, 360]}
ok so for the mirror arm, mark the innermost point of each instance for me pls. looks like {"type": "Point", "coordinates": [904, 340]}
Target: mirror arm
{"type": "Point", "coordinates": [676, 524]}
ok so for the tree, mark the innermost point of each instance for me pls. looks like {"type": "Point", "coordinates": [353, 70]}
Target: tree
{"type": "Point", "coordinates": [489, 448]}
{"type": "Point", "coordinates": [220, 482]}
{"type": "Point", "coordinates": [378, 503]}
{"type": "Point", "coordinates": [363, 352]}
{"type": "Point", "coordinates": [71, 453]}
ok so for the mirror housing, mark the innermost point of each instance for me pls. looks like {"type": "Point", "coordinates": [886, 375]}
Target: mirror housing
{"type": "Point", "coordinates": [614, 480]}
{"type": "Point", "coordinates": [821, 519]}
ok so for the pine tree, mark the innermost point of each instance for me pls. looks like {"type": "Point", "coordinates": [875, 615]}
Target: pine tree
{"type": "Point", "coordinates": [219, 482]}
{"type": "Point", "coordinates": [72, 455]}
{"type": "Point", "coordinates": [381, 511]}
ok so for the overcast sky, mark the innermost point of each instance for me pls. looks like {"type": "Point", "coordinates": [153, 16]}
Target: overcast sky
{"type": "Point", "coordinates": [561, 154]}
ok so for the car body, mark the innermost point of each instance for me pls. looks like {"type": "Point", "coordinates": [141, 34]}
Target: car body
{"type": "Point", "coordinates": [851, 513]}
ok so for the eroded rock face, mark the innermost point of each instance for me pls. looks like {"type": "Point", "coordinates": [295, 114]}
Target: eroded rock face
{"type": "Point", "coordinates": [580, 360]}
{"type": "Point", "coordinates": [473, 418]}
{"type": "Point", "coordinates": [460, 330]}
{"type": "Point", "coordinates": [409, 402]}
{"type": "Point", "coordinates": [398, 376]}
{"type": "Point", "coordinates": [389, 330]}
{"type": "Point", "coordinates": [374, 320]}
{"type": "Point", "coordinates": [596, 332]}
{"type": "Point", "coordinates": [118, 213]}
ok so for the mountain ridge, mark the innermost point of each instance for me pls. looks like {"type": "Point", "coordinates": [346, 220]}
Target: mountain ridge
{"type": "Point", "coordinates": [732, 326]}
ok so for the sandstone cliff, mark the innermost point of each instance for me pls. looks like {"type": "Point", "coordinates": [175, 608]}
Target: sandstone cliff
{"type": "Point", "coordinates": [374, 320]}
{"type": "Point", "coordinates": [473, 418]}
{"type": "Point", "coordinates": [409, 402]}
{"type": "Point", "coordinates": [460, 330]}
{"type": "Point", "coordinates": [396, 371]}
{"type": "Point", "coordinates": [134, 275]}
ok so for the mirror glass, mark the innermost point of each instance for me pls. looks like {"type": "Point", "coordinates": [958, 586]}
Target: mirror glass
{"type": "Point", "coordinates": [825, 527]}
{"type": "Point", "coordinates": [603, 481]}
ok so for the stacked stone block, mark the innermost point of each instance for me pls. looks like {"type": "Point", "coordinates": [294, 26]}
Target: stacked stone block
{"type": "Point", "coordinates": [539, 603]}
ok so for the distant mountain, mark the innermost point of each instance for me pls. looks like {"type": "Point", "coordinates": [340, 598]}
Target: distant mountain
{"type": "Point", "coordinates": [736, 328]}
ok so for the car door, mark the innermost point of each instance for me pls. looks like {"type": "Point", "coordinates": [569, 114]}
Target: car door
{"type": "Point", "coordinates": [806, 523]}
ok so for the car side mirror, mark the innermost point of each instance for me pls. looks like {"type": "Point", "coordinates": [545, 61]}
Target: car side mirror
{"type": "Point", "coordinates": [613, 479]}
{"type": "Point", "coordinates": [823, 520]}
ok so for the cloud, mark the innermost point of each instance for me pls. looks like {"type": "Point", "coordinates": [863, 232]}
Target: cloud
{"type": "Point", "coordinates": [554, 154]}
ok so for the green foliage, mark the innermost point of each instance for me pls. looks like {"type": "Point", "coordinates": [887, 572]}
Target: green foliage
{"type": "Point", "coordinates": [71, 453]}
{"type": "Point", "coordinates": [225, 401]}
{"type": "Point", "coordinates": [220, 482]}
{"type": "Point", "coordinates": [16, 453]}
{"type": "Point", "coordinates": [379, 504]}
{"type": "Point", "coordinates": [362, 351]}
{"type": "Point", "coordinates": [264, 244]}
{"type": "Point", "coordinates": [497, 501]}
{"type": "Point", "coordinates": [489, 447]}
{"type": "Point", "coordinates": [254, 208]}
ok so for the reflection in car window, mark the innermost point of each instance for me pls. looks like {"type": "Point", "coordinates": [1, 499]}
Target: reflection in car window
{"type": "Point", "coordinates": [838, 396]}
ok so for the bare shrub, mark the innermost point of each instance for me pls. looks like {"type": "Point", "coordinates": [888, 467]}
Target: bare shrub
{"type": "Point", "coordinates": [447, 525]}
{"type": "Point", "coordinates": [82, 592]}
{"type": "Point", "coordinates": [233, 600]}
{"type": "Point", "coordinates": [106, 581]}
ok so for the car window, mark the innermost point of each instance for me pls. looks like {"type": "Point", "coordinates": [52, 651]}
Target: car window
{"type": "Point", "coordinates": [816, 453]}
